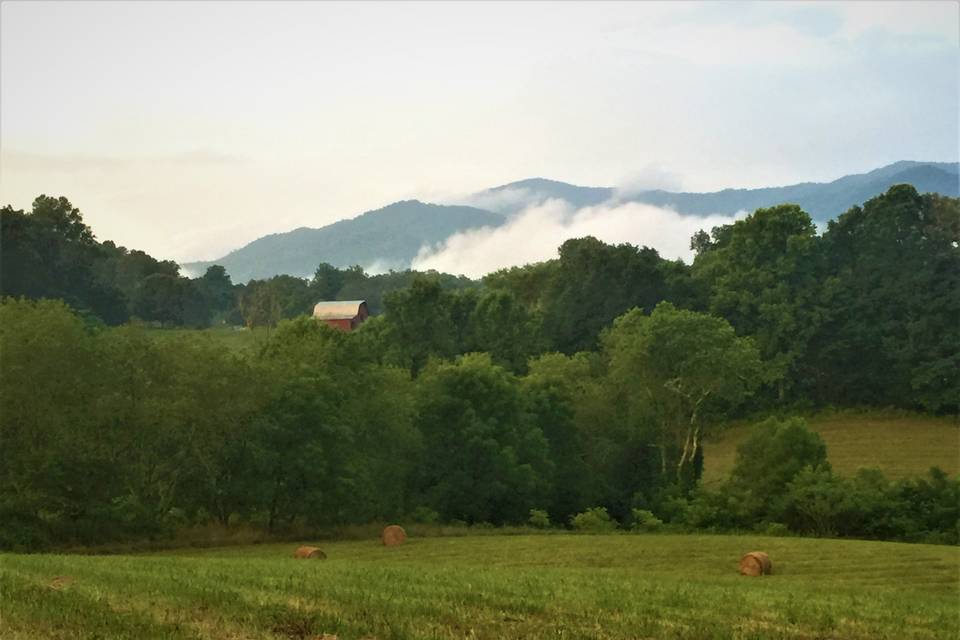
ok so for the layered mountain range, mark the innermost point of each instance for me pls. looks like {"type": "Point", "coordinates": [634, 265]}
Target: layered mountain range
{"type": "Point", "coordinates": [391, 237]}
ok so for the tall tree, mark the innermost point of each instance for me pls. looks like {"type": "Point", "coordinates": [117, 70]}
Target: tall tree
{"type": "Point", "coordinates": [51, 253]}
{"type": "Point", "coordinates": [218, 291]}
{"type": "Point", "coordinates": [419, 324]}
{"type": "Point", "coordinates": [527, 283]}
{"type": "Point", "coordinates": [338, 428]}
{"type": "Point", "coordinates": [170, 300]}
{"type": "Point", "coordinates": [686, 370]}
{"type": "Point", "coordinates": [327, 282]}
{"type": "Point", "coordinates": [891, 334]}
{"type": "Point", "coordinates": [499, 325]}
{"type": "Point", "coordinates": [267, 302]}
{"type": "Point", "coordinates": [484, 462]}
{"type": "Point", "coordinates": [593, 284]}
{"type": "Point", "coordinates": [63, 219]}
{"type": "Point", "coordinates": [761, 274]}
{"type": "Point", "coordinates": [563, 398]}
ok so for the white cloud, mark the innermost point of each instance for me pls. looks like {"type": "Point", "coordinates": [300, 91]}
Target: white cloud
{"type": "Point", "coordinates": [505, 201]}
{"type": "Point", "coordinates": [649, 178]}
{"type": "Point", "coordinates": [379, 267]}
{"type": "Point", "coordinates": [536, 233]}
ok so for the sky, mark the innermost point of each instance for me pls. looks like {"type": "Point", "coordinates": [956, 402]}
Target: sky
{"type": "Point", "coordinates": [190, 129]}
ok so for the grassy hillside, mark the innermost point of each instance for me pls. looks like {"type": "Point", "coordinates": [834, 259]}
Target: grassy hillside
{"type": "Point", "coordinates": [899, 446]}
{"type": "Point", "coordinates": [547, 586]}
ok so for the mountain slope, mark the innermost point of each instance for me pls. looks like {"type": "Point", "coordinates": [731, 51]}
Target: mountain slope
{"type": "Point", "coordinates": [389, 237]}
{"type": "Point", "coordinates": [822, 201]}
{"type": "Point", "coordinates": [542, 189]}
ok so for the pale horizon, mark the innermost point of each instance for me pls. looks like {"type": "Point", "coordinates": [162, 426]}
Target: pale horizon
{"type": "Point", "coordinates": [189, 130]}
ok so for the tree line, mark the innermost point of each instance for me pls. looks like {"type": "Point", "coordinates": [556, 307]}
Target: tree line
{"type": "Point", "coordinates": [582, 385]}
{"type": "Point", "coordinates": [49, 252]}
{"type": "Point", "coordinates": [866, 313]}
{"type": "Point", "coordinates": [110, 434]}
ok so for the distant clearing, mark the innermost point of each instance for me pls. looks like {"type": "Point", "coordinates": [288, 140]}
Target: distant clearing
{"type": "Point", "coordinates": [540, 586]}
{"type": "Point", "coordinates": [235, 339]}
{"type": "Point", "coordinates": [899, 446]}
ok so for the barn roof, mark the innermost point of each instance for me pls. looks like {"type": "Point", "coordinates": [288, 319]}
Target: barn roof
{"type": "Point", "coordinates": [337, 309]}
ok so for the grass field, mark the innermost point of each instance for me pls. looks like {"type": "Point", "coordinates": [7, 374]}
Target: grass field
{"type": "Point", "coordinates": [234, 339]}
{"type": "Point", "coordinates": [899, 446]}
{"type": "Point", "coordinates": [532, 586]}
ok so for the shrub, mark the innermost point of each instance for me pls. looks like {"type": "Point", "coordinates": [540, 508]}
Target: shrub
{"type": "Point", "coordinates": [22, 531]}
{"type": "Point", "coordinates": [931, 505]}
{"type": "Point", "coordinates": [539, 519]}
{"type": "Point", "coordinates": [703, 510]}
{"type": "Point", "coordinates": [872, 509]}
{"type": "Point", "coordinates": [730, 507]}
{"type": "Point", "coordinates": [770, 457]}
{"type": "Point", "coordinates": [594, 520]}
{"type": "Point", "coordinates": [424, 515]}
{"type": "Point", "coordinates": [176, 517]}
{"type": "Point", "coordinates": [774, 529]}
{"type": "Point", "coordinates": [644, 520]}
{"type": "Point", "coordinates": [814, 502]}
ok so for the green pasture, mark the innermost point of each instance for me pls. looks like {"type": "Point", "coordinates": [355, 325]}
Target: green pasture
{"type": "Point", "coordinates": [900, 446]}
{"type": "Point", "coordinates": [236, 339]}
{"type": "Point", "coordinates": [523, 586]}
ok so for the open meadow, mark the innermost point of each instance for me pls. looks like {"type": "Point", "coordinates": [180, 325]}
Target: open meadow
{"type": "Point", "coordinates": [492, 586]}
{"type": "Point", "coordinates": [899, 445]}
{"type": "Point", "coordinates": [238, 340]}
{"type": "Point", "coordinates": [480, 320]}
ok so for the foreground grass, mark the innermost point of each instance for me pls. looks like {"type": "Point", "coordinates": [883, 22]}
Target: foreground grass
{"type": "Point", "coordinates": [556, 586]}
{"type": "Point", "coordinates": [900, 446]}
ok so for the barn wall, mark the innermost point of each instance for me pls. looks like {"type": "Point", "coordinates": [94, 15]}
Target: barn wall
{"type": "Point", "coordinates": [344, 324]}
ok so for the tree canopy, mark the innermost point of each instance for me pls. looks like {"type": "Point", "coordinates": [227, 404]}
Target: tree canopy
{"type": "Point", "coordinates": [587, 384]}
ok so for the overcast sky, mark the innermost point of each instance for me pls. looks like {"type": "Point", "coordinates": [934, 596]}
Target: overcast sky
{"type": "Point", "coordinates": [189, 129]}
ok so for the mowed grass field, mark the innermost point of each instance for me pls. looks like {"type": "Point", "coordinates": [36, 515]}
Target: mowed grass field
{"type": "Point", "coordinates": [900, 446]}
{"type": "Point", "coordinates": [493, 586]}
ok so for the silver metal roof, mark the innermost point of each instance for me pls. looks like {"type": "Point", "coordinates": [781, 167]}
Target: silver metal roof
{"type": "Point", "coordinates": [337, 309]}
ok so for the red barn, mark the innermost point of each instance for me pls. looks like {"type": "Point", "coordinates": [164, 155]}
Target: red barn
{"type": "Point", "coordinates": [342, 314]}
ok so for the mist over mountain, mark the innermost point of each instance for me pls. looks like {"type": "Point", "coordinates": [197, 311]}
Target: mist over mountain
{"type": "Point", "coordinates": [392, 237]}
{"type": "Point", "coordinates": [379, 240]}
{"type": "Point", "coordinates": [823, 201]}
{"type": "Point", "coordinates": [516, 196]}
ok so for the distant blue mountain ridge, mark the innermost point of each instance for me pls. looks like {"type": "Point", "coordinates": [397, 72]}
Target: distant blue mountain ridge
{"type": "Point", "coordinates": [391, 237]}
{"type": "Point", "coordinates": [823, 201]}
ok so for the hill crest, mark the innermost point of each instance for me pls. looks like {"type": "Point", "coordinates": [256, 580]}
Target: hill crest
{"type": "Point", "coordinates": [390, 237]}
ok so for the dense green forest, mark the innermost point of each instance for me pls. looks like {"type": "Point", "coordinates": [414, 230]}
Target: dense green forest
{"type": "Point", "coordinates": [577, 390]}
{"type": "Point", "coordinates": [50, 253]}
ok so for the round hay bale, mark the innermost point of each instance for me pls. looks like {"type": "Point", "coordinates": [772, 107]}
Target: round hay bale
{"type": "Point", "coordinates": [309, 552]}
{"type": "Point", "coordinates": [755, 563]}
{"type": "Point", "coordinates": [393, 535]}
